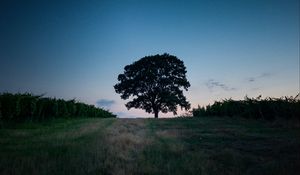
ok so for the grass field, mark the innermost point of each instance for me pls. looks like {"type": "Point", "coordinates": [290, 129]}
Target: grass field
{"type": "Point", "coordinates": [149, 146]}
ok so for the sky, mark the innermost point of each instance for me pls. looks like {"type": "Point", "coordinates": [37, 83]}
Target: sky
{"type": "Point", "coordinates": [76, 49]}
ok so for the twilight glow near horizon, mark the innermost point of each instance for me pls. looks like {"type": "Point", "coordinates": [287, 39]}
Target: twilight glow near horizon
{"type": "Point", "coordinates": [76, 49]}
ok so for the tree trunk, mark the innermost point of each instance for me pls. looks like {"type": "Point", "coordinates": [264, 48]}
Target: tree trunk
{"type": "Point", "coordinates": [156, 114]}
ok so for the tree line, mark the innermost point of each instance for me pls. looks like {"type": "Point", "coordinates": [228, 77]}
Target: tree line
{"type": "Point", "coordinates": [256, 108]}
{"type": "Point", "coordinates": [26, 106]}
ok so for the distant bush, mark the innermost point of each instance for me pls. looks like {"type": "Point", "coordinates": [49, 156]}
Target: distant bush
{"type": "Point", "coordinates": [256, 108]}
{"type": "Point", "coordinates": [20, 107]}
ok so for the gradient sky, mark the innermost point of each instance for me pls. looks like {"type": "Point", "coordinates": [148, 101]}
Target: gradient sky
{"type": "Point", "coordinates": [76, 49]}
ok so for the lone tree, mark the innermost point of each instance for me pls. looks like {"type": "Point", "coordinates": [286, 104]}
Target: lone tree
{"type": "Point", "coordinates": [155, 84]}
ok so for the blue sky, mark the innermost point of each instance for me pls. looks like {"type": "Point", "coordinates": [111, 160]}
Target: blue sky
{"type": "Point", "coordinates": [76, 49]}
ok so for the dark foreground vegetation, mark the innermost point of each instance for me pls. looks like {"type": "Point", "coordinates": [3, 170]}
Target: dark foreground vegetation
{"type": "Point", "coordinates": [20, 107]}
{"type": "Point", "coordinates": [206, 145]}
{"type": "Point", "coordinates": [253, 108]}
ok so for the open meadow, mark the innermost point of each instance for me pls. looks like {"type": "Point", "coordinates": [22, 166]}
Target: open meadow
{"type": "Point", "coordinates": [204, 145]}
{"type": "Point", "coordinates": [149, 87]}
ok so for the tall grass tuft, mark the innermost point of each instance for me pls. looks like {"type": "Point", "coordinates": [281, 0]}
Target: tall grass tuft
{"type": "Point", "coordinates": [255, 108]}
{"type": "Point", "coordinates": [21, 107]}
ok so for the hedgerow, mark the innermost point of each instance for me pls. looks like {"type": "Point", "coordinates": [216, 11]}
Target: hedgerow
{"type": "Point", "coordinates": [256, 108]}
{"type": "Point", "coordinates": [26, 106]}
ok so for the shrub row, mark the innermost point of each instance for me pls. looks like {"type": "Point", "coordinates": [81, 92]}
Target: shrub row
{"type": "Point", "coordinates": [20, 107]}
{"type": "Point", "coordinates": [257, 108]}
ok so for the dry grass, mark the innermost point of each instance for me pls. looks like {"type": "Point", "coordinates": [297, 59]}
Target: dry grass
{"type": "Point", "coordinates": [127, 138]}
{"type": "Point", "coordinates": [170, 133]}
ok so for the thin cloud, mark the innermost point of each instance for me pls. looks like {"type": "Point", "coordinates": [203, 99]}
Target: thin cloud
{"type": "Point", "coordinates": [212, 84]}
{"type": "Point", "coordinates": [251, 79]}
{"type": "Point", "coordinates": [105, 103]}
{"type": "Point", "coordinates": [261, 76]}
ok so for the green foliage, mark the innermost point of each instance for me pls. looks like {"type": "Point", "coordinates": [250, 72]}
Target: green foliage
{"type": "Point", "coordinates": [20, 107]}
{"type": "Point", "coordinates": [256, 108]}
{"type": "Point", "coordinates": [156, 82]}
{"type": "Point", "coordinates": [8, 105]}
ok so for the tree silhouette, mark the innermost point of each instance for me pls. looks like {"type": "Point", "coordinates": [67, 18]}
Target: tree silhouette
{"type": "Point", "coordinates": [155, 84]}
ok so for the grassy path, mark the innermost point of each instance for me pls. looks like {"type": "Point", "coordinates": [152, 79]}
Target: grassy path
{"type": "Point", "coordinates": [127, 139]}
{"type": "Point", "coordinates": [149, 146]}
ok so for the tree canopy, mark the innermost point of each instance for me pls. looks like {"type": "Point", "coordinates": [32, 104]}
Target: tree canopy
{"type": "Point", "coordinates": [155, 84]}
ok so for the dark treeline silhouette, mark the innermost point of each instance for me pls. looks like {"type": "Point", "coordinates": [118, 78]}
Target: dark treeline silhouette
{"type": "Point", "coordinates": [255, 108]}
{"type": "Point", "coordinates": [20, 107]}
